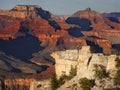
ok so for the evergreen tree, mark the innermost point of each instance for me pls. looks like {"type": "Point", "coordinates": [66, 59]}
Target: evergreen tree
{"type": "Point", "coordinates": [54, 82]}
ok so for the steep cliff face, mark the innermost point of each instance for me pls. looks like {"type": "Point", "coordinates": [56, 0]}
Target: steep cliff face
{"type": "Point", "coordinates": [61, 22]}
{"type": "Point", "coordinates": [100, 45]}
{"type": "Point", "coordinates": [83, 60]}
{"type": "Point", "coordinates": [85, 63]}
{"type": "Point", "coordinates": [18, 84]}
{"type": "Point", "coordinates": [8, 27]}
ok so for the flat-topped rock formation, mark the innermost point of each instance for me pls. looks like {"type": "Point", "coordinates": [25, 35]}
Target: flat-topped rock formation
{"type": "Point", "coordinates": [21, 11]}
{"type": "Point", "coordinates": [85, 63]}
{"type": "Point", "coordinates": [83, 59]}
{"type": "Point", "coordinates": [25, 7]}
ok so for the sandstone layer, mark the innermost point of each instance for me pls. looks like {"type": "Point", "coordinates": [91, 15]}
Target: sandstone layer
{"type": "Point", "coordinates": [85, 62]}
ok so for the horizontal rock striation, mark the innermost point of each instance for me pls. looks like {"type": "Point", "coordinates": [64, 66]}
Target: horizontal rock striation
{"type": "Point", "coordinates": [21, 11]}
{"type": "Point", "coordinates": [111, 35]}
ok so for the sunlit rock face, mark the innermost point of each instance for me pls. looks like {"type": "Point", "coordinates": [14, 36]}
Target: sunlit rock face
{"type": "Point", "coordinates": [26, 7]}
{"type": "Point", "coordinates": [40, 85]}
{"type": "Point", "coordinates": [21, 11]}
{"type": "Point", "coordinates": [83, 60]}
{"type": "Point", "coordinates": [18, 83]}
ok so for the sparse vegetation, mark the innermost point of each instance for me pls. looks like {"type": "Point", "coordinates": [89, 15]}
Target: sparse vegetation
{"type": "Point", "coordinates": [111, 89]}
{"type": "Point", "coordinates": [62, 79]}
{"type": "Point", "coordinates": [54, 82]}
{"type": "Point", "coordinates": [92, 50]}
{"type": "Point", "coordinates": [86, 84]}
{"type": "Point", "coordinates": [100, 72]}
{"type": "Point", "coordinates": [117, 63]}
{"type": "Point", "coordinates": [73, 72]}
{"type": "Point", "coordinates": [74, 86]}
{"type": "Point", "coordinates": [117, 75]}
{"type": "Point", "coordinates": [39, 86]}
{"type": "Point", "coordinates": [117, 78]}
{"type": "Point", "coordinates": [114, 51]}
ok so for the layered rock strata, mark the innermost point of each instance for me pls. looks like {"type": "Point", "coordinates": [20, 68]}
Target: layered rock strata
{"type": "Point", "coordinates": [21, 11]}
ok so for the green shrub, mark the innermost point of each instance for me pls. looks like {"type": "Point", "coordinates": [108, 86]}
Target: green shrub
{"type": "Point", "coordinates": [54, 82]}
{"type": "Point", "coordinates": [86, 84]}
{"type": "Point", "coordinates": [62, 80]}
{"type": "Point", "coordinates": [100, 72]}
{"type": "Point", "coordinates": [117, 78]}
{"type": "Point", "coordinates": [117, 62]}
{"type": "Point", "coordinates": [57, 83]}
{"type": "Point", "coordinates": [72, 73]}
{"type": "Point", "coordinates": [92, 50]}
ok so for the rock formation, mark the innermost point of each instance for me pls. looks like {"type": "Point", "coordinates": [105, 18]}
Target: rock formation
{"type": "Point", "coordinates": [43, 25]}
{"type": "Point", "coordinates": [85, 63]}
{"type": "Point", "coordinates": [54, 33]}
{"type": "Point", "coordinates": [18, 84]}
{"type": "Point", "coordinates": [40, 85]}
{"type": "Point", "coordinates": [111, 35]}
{"type": "Point", "coordinates": [91, 17]}
{"type": "Point", "coordinates": [82, 59]}
{"type": "Point", "coordinates": [21, 11]}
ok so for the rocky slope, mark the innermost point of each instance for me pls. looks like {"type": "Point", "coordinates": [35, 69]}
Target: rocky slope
{"type": "Point", "coordinates": [8, 63]}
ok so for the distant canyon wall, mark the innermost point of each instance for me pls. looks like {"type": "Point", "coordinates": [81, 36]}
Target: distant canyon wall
{"type": "Point", "coordinates": [21, 11]}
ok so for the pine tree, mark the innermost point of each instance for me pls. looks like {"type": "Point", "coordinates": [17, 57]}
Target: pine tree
{"type": "Point", "coordinates": [54, 82]}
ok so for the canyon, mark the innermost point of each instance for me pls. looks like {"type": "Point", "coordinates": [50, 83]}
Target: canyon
{"type": "Point", "coordinates": [29, 35]}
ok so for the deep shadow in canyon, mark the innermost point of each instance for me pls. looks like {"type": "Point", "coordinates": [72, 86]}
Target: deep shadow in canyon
{"type": "Point", "coordinates": [96, 47]}
{"type": "Point", "coordinates": [114, 19]}
{"type": "Point", "coordinates": [21, 47]}
{"type": "Point", "coordinates": [47, 16]}
{"type": "Point", "coordinates": [116, 46]}
{"type": "Point", "coordinates": [83, 24]}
